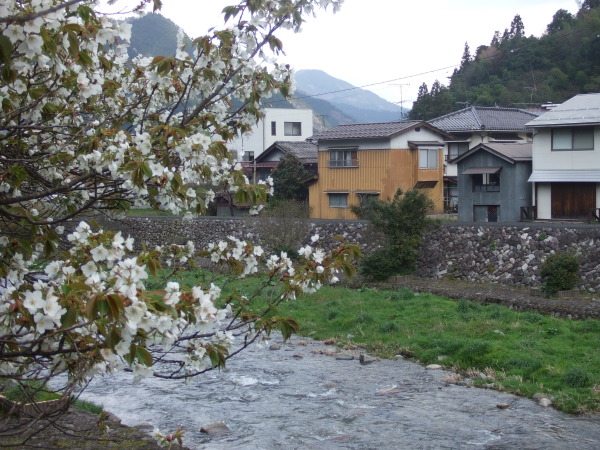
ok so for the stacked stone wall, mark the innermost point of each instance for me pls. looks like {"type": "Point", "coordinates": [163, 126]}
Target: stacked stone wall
{"type": "Point", "coordinates": [508, 254]}
{"type": "Point", "coordinates": [482, 253]}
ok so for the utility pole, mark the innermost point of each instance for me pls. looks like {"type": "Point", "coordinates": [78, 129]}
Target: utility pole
{"type": "Point", "coordinates": [401, 98]}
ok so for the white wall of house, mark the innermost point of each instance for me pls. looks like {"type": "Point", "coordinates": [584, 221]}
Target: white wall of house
{"type": "Point", "coordinates": [543, 205]}
{"type": "Point", "coordinates": [290, 125]}
{"type": "Point", "coordinates": [424, 134]}
{"type": "Point", "coordinates": [546, 159]}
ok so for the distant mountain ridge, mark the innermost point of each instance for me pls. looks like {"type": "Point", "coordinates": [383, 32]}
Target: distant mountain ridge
{"type": "Point", "coordinates": [359, 104]}
{"type": "Point", "coordinates": [341, 104]}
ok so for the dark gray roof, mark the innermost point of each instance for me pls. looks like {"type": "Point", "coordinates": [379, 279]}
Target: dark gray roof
{"type": "Point", "coordinates": [367, 130]}
{"type": "Point", "coordinates": [583, 109]}
{"type": "Point", "coordinates": [511, 152]}
{"type": "Point", "coordinates": [484, 118]}
{"type": "Point", "coordinates": [305, 151]}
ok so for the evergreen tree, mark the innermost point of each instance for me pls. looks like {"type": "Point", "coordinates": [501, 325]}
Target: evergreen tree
{"type": "Point", "coordinates": [289, 179]}
{"type": "Point", "coordinates": [466, 57]}
{"type": "Point", "coordinates": [561, 19]}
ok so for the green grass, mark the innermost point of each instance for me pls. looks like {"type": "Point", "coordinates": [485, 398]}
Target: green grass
{"type": "Point", "coordinates": [35, 392]}
{"type": "Point", "coordinates": [521, 352]}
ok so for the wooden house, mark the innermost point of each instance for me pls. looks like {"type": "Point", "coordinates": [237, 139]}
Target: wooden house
{"type": "Point", "coordinates": [364, 161]}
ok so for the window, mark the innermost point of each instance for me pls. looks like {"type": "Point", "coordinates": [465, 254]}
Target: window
{"type": "Point", "coordinates": [486, 182]}
{"type": "Point", "coordinates": [338, 200]}
{"type": "Point", "coordinates": [428, 158]}
{"type": "Point", "coordinates": [343, 158]}
{"type": "Point", "coordinates": [273, 128]}
{"type": "Point", "coordinates": [455, 149]}
{"type": "Point", "coordinates": [580, 138]}
{"type": "Point", "coordinates": [292, 128]}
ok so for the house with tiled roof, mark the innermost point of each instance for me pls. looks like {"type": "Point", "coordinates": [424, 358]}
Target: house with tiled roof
{"type": "Point", "coordinates": [476, 125]}
{"type": "Point", "coordinates": [566, 160]}
{"type": "Point", "coordinates": [363, 161]}
{"type": "Point", "coordinates": [262, 166]}
{"type": "Point", "coordinates": [492, 182]}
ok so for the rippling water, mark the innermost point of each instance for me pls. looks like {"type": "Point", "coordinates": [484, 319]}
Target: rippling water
{"type": "Point", "coordinates": [298, 398]}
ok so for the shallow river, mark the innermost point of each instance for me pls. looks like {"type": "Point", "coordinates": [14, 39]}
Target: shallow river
{"type": "Point", "coordinates": [301, 397]}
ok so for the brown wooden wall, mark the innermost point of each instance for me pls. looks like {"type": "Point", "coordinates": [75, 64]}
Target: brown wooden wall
{"type": "Point", "coordinates": [378, 170]}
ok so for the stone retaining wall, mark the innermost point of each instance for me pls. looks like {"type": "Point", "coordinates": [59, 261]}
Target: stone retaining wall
{"type": "Point", "coordinates": [508, 254]}
{"type": "Point", "coordinates": [484, 253]}
{"type": "Point", "coordinates": [264, 231]}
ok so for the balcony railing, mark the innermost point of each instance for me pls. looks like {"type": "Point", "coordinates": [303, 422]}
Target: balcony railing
{"type": "Point", "coordinates": [486, 188]}
{"type": "Point", "coordinates": [338, 163]}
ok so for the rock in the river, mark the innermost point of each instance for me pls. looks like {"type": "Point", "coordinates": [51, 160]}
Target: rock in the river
{"type": "Point", "coordinates": [367, 359]}
{"type": "Point", "coordinates": [433, 367]}
{"type": "Point", "coordinates": [216, 429]}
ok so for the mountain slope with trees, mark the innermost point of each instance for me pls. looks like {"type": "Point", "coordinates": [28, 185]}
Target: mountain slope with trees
{"type": "Point", "coordinates": [519, 71]}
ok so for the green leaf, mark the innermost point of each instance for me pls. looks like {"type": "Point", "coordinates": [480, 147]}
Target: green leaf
{"type": "Point", "coordinates": [73, 28]}
{"type": "Point", "coordinates": [73, 44]}
{"type": "Point", "coordinates": [84, 58]}
{"type": "Point", "coordinates": [5, 49]}
{"type": "Point", "coordinates": [115, 303]}
{"type": "Point", "coordinates": [69, 318]}
{"type": "Point", "coordinates": [143, 356]}
{"type": "Point", "coordinates": [230, 11]}
{"type": "Point", "coordinates": [91, 308]}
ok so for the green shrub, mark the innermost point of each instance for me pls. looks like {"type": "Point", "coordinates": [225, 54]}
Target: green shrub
{"type": "Point", "coordinates": [380, 265]}
{"type": "Point", "coordinates": [403, 221]}
{"type": "Point", "coordinates": [560, 272]}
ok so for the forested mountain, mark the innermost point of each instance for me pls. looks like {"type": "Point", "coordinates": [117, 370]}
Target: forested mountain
{"type": "Point", "coordinates": [519, 71]}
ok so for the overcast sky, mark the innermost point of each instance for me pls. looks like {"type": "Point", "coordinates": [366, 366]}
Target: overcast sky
{"type": "Point", "coordinates": [373, 41]}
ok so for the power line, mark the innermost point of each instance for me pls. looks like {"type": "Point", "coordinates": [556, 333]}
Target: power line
{"type": "Point", "coordinates": [419, 74]}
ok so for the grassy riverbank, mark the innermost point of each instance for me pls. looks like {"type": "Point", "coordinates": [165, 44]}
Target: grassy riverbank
{"type": "Point", "coordinates": [522, 352]}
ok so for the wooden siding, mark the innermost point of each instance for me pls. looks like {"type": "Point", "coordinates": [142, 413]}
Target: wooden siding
{"type": "Point", "coordinates": [378, 170]}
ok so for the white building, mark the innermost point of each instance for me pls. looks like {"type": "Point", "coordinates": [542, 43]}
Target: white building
{"type": "Point", "coordinates": [278, 124]}
{"type": "Point", "coordinates": [566, 160]}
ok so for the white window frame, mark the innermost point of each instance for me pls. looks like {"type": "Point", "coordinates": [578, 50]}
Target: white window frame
{"type": "Point", "coordinates": [338, 199]}
{"type": "Point", "coordinates": [339, 158]}
{"type": "Point", "coordinates": [569, 139]}
{"type": "Point", "coordinates": [292, 128]}
{"type": "Point", "coordinates": [428, 158]}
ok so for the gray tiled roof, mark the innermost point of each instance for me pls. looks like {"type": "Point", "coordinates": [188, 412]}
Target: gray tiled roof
{"type": "Point", "coordinates": [486, 118]}
{"type": "Point", "coordinates": [366, 130]}
{"type": "Point", "coordinates": [581, 109]}
{"type": "Point", "coordinates": [305, 151]}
